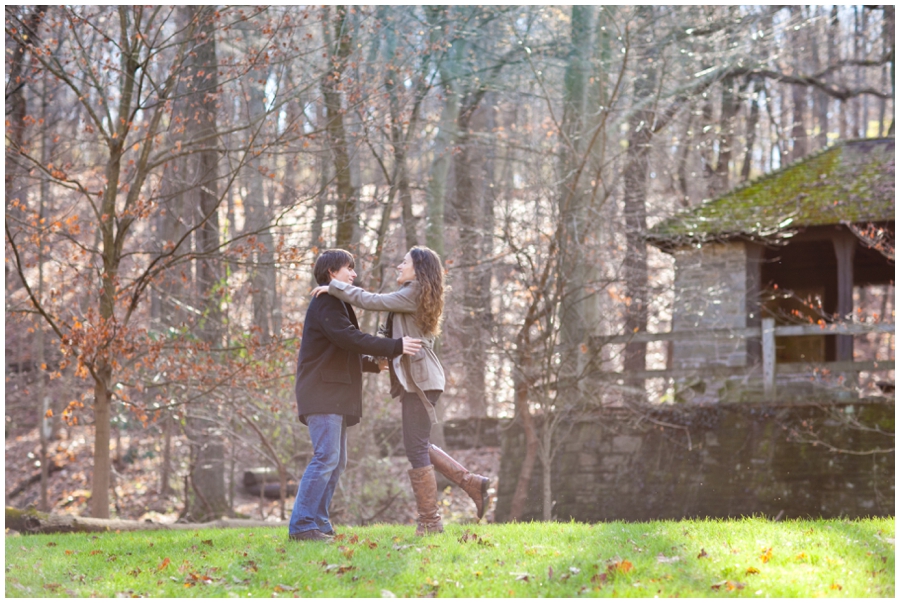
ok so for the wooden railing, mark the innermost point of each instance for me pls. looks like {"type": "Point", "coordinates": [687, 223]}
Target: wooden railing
{"type": "Point", "coordinates": [767, 333]}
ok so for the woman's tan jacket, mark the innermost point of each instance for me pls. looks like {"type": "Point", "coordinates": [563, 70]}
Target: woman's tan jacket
{"type": "Point", "coordinates": [427, 371]}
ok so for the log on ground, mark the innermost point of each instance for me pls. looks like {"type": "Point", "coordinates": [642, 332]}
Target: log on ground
{"type": "Point", "coordinates": [31, 521]}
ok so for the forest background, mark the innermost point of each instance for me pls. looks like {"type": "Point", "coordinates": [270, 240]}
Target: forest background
{"type": "Point", "coordinates": [172, 172]}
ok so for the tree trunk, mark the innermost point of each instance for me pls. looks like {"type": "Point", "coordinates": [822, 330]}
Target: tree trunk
{"type": "Point", "coordinates": [111, 255]}
{"type": "Point", "coordinates": [726, 126]}
{"type": "Point", "coordinates": [858, 52]}
{"type": "Point", "coordinates": [547, 470]}
{"type": "Point", "coordinates": [752, 123]}
{"type": "Point", "coordinates": [46, 404]}
{"type": "Point", "coordinates": [637, 162]}
{"type": "Point", "coordinates": [730, 107]}
{"type": "Point", "coordinates": [887, 37]}
{"type": "Point", "coordinates": [258, 222]}
{"type": "Point", "coordinates": [579, 310]}
{"type": "Point", "coordinates": [317, 240]}
{"type": "Point", "coordinates": [523, 414]}
{"type": "Point", "coordinates": [447, 136]}
{"type": "Point", "coordinates": [684, 151]}
{"type": "Point", "coordinates": [16, 110]}
{"type": "Point", "coordinates": [470, 166]}
{"type": "Point", "coordinates": [101, 470]}
{"type": "Point", "coordinates": [820, 99]}
{"type": "Point", "coordinates": [864, 99]}
{"type": "Point", "coordinates": [798, 102]}
{"type": "Point", "coordinates": [398, 141]}
{"type": "Point", "coordinates": [340, 49]}
{"type": "Point", "coordinates": [165, 476]}
{"type": "Point", "coordinates": [207, 471]}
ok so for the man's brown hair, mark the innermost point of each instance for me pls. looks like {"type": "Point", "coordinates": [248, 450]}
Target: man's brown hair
{"type": "Point", "coordinates": [331, 260]}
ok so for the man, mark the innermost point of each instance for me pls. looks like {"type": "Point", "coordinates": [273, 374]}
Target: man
{"type": "Point", "coordinates": [329, 391]}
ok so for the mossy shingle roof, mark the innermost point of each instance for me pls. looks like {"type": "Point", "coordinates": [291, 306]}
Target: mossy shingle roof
{"type": "Point", "coordinates": [852, 181]}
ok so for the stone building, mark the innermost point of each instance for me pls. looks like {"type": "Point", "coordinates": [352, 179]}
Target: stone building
{"type": "Point", "coordinates": [790, 245]}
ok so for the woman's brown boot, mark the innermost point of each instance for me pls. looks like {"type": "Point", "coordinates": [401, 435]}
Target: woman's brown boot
{"type": "Point", "coordinates": [425, 490]}
{"type": "Point", "coordinates": [476, 486]}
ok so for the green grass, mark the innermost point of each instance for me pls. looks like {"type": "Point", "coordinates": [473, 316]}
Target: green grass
{"type": "Point", "coordinates": [744, 558]}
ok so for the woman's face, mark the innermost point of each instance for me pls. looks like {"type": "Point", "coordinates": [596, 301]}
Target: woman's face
{"type": "Point", "coordinates": [405, 271]}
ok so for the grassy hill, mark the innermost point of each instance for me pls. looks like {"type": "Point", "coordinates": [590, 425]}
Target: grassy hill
{"type": "Point", "coordinates": [751, 557]}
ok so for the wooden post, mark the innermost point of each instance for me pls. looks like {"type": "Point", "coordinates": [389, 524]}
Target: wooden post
{"type": "Point", "coordinates": [844, 248]}
{"type": "Point", "coordinates": [753, 303]}
{"type": "Point", "coordinates": [768, 356]}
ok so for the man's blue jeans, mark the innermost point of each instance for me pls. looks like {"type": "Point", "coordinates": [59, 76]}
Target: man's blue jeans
{"type": "Point", "coordinates": [329, 440]}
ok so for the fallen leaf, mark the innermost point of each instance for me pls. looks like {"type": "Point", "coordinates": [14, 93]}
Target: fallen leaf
{"type": "Point", "coordinates": [702, 554]}
{"type": "Point", "coordinates": [97, 552]}
{"type": "Point", "coordinates": [386, 594]}
{"type": "Point", "coordinates": [752, 570]}
{"type": "Point", "coordinates": [281, 588]}
{"type": "Point", "coordinates": [51, 544]}
{"type": "Point", "coordinates": [574, 571]}
{"type": "Point", "coordinates": [346, 551]}
{"type": "Point", "coordinates": [550, 572]}
{"type": "Point", "coordinates": [353, 539]}
{"type": "Point", "coordinates": [623, 566]}
{"type": "Point", "coordinates": [206, 542]}
{"type": "Point", "coordinates": [163, 565]}
{"type": "Point", "coordinates": [663, 559]}
{"type": "Point", "coordinates": [766, 555]}
{"type": "Point", "coordinates": [599, 579]}
{"type": "Point", "coordinates": [68, 552]}
{"type": "Point", "coordinates": [836, 586]}
{"type": "Point", "coordinates": [729, 585]}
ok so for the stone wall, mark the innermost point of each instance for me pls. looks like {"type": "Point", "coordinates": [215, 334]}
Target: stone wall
{"type": "Point", "coordinates": [726, 460]}
{"type": "Point", "coordinates": [459, 434]}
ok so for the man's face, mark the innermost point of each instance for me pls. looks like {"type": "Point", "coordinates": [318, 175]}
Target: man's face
{"type": "Point", "coordinates": [345, 275]}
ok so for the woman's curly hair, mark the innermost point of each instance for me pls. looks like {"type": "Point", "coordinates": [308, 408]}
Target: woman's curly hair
{"type": "Point", "coordinates": [430, 275]}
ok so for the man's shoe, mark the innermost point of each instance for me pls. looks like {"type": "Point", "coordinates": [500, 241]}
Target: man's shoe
{"type": "Point", "coordinates": [311, 535]}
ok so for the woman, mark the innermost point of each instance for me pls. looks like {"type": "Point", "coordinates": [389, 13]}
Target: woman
{"type": "Point", "coordinates": [415, 310]}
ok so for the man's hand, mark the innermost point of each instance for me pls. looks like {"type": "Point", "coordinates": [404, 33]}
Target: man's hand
{"type": "Point", "coordinates": [320, 290]}
{"type": "Point", "coordinates": [411, 346]}
{"type": "Point", "coordinates": [382, 363]}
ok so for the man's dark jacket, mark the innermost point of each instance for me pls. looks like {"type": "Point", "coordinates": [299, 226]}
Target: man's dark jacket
{"type": "Point", "coordinates": [329, 369]}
